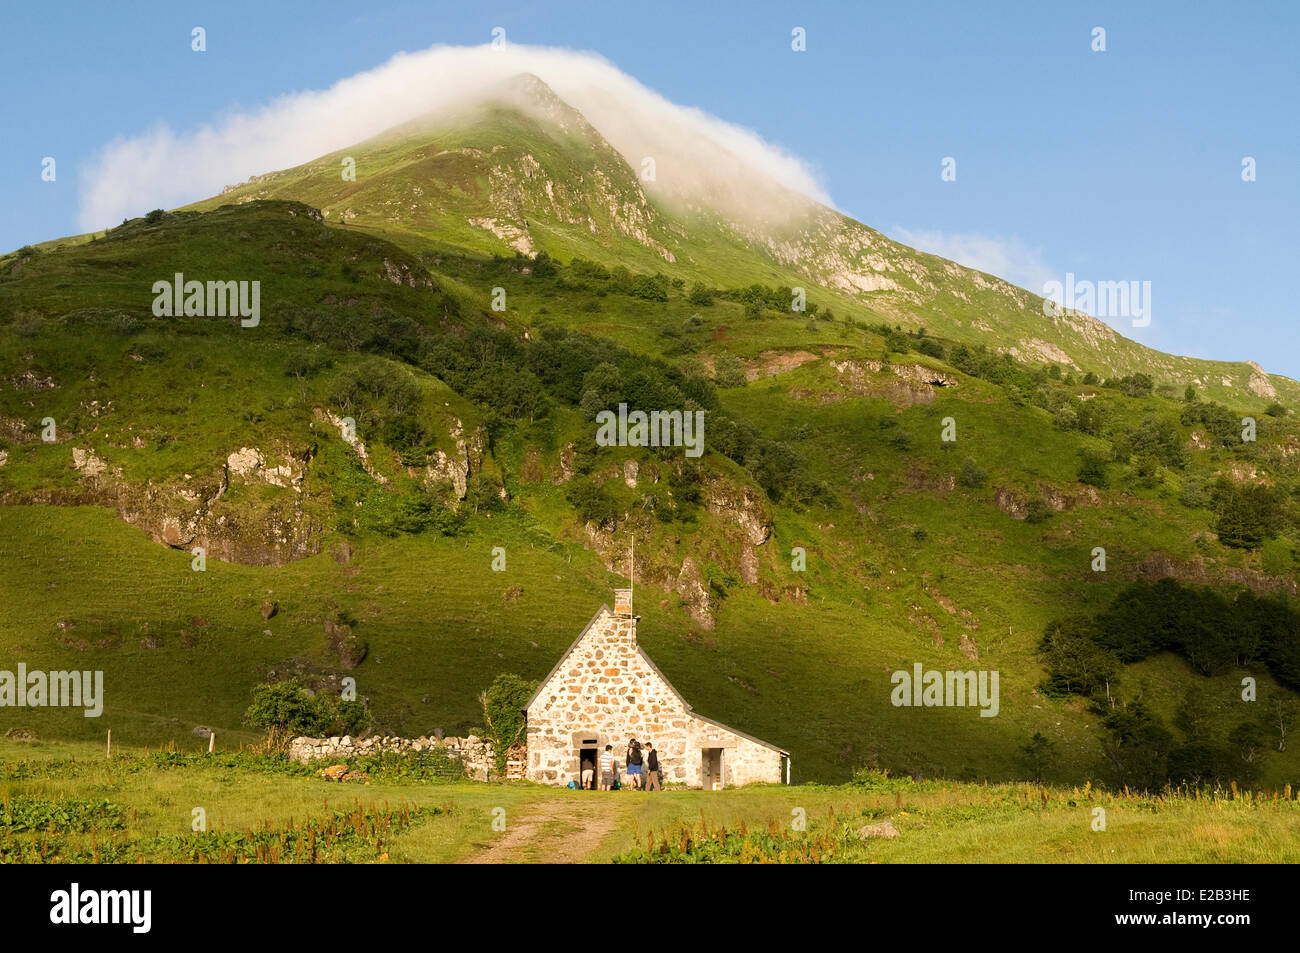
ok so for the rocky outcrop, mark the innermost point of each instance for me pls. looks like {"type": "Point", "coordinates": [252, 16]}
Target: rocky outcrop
{"type": "Point", "coordinates": [347, 647]}
{"type": "Point", "coordinates": [455, 468]}
{"type": "Point", "coordinates": [337, 422]}
{"type": "Point", "coordinates": [249, 464]}
{"type": "Point", "coordinates": [1196, 570]}
{"type": "Point", "coordinates": [1259, 382]}
{"type": "Point", "coordinates": [771, 363]}
{"type": "Point", "coordinates": [694, 595]}
{"type": "Point", "coordinates": [190, 512]}
{"type": "Point", "coordinates": [901, 384]}
{"type": "Point", "coordinates": [1011, 502]}
{"type": "Point", "coordinates": [402, 274]}
{"type": "Point", "coordinates": [1016, 504]}
{"type": "Point", "coordinates": [566, 468]}
{"type": "Point", "coordinates": [88, 464]}
{"type": "Point", "coordinates": [741, 506]}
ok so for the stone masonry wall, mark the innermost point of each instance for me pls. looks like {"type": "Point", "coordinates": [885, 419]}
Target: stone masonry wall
{"type": "Point", "coordinates": [607, 689]}
{"type": "Point", "coordinates": [474, 753]}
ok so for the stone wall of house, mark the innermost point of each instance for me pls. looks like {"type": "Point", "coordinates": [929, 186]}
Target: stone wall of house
{"type": "Point", "coordinates": [607, 689]}
{"type": "Point", "coordinates": [474, 753]}
{"type": "Point", "coordinates": [743, 760]}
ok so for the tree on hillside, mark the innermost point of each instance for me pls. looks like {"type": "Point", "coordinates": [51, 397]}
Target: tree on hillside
{"type": "Point", "coordinates": [700, 295]}
{"type": "Point", "coordinates": [1136, 747]}
{"type": "Point", "coordinates": [1039, 754]}
{"type": "Point", "coordinates": [1249, 739]}
{"type": "Point", "coordinates": [1244, 515]}
{"type": "Point", "coordinates": [1076, 663]}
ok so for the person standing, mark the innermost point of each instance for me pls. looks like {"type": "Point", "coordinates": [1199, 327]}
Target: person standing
{"type": "Point", "coordinates": [607, 768]}
{"type": "Point", "coordinates": [634, 764]}
{"type": "Point", "coordinates": [652, 768]}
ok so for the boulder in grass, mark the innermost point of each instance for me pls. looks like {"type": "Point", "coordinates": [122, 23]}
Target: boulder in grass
{"type": "Point", "coordinates": [884, 829]}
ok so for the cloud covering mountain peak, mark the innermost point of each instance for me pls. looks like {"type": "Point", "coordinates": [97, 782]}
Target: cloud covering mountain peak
{"type": "Point", "coordinates": [699, 158]}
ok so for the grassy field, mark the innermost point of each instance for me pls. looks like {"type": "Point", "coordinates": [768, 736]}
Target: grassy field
{"type": "Point", "coordinates": [68, 803]}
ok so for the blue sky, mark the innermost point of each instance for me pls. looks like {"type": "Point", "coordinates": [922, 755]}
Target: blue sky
{"type": "Point", "coordinates": [1122, 165]}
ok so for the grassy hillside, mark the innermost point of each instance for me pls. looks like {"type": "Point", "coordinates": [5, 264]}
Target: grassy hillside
{"type": "Point", "coordinates": [474, 430]}
{"type": "Point", "coordinates": [525, 172]}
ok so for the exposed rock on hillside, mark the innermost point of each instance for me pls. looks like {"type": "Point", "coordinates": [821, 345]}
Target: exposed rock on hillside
{"type": "Point", "coordinates": [695, 597]}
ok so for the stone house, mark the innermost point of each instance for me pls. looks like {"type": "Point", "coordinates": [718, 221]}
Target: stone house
{"type": "Point", "coordinates": [605, 690]}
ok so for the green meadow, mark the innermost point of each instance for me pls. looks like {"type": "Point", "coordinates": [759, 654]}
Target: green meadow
{"type": "Point", "coordinates": [68, 803]}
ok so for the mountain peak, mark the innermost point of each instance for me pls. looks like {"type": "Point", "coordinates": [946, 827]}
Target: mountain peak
{"type": "Point", "coordinates": [530, 95]}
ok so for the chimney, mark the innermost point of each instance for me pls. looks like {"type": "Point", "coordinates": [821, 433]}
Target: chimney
{"type": "Point", "coordinates": [623, 603]}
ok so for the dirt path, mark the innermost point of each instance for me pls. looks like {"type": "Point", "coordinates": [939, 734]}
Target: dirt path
{"type": "Point", "coordinates": [551, 831]}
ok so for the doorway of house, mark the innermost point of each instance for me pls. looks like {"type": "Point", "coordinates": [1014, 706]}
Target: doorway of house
{"type": "Point", "coordinates": [711, 769]}
{"type": "Point", "coordinates": [587, 761]}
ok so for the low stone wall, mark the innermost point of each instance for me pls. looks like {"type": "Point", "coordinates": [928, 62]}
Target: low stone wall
{"type": "Point", "coordinates": [475, 753]}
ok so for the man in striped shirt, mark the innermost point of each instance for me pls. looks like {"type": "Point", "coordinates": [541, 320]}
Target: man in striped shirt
{"type": "Point", "coordinates": [607, 768]}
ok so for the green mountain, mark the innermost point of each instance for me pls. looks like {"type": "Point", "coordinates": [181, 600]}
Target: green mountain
{"type": "Point", "coordinates": [484, 285]}
{"type": "Point", "coordinates": [523, 172]}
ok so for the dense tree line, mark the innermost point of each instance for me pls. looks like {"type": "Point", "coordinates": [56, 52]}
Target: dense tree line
{"type": "Point", "coordinates": [1210, 629]}
{"type": "Point", "coordinates": [516, 379]}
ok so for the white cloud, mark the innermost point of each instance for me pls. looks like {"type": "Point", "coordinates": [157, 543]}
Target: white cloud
{"type": "Point", "coordinates": [698, 155]}
{"type": "Point", "coordinates": [1008, 258]}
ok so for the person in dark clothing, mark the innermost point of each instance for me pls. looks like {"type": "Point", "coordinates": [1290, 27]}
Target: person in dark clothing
{"type": "Point", "coordinates": [651, 768]}
{"type": "Point", "coordinates": [634, 775]}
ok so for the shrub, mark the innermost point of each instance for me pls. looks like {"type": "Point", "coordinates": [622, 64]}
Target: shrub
{"type": "Point", "coordinates": [1092, 469]}
{"type": "Point", "coordinates": [1037, 510]}
{"type": "Point", "coordinates": [1076, 663]}
{"type": "Point", "coordinates": [729, 371]}
{"type": "Point", "coordinates": [1244, 515]}
{"type": "Point", "coordinates": [700, 295]}
{"type": "Point", "coordinates": [592, 501]}
{"type": "Point", "coordinates": [1137, 747]}
{"type": "Point", "coordinates": [972, 474]}
{"type": "Point", "coordinates": [1038, 755]}
{"type": "Point", "coordinates": [305, 363]}
{"type": "Point", "coordinates": [290, 708]}
{"type": "Point", "coordinates": [931, 347]}
{"type": "Point", "coordinates": [503, 713]}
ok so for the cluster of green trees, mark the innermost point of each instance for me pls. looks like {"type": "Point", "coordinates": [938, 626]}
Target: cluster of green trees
{"type": "Point", "coordinates": [515, 379]}
{"type": "Point", "coordinates": [1245, 515]}
{"type": "Point", "coordinates": [1140, 751]}
{"type": "Point", "coordinates": [595, 278]}
{"type": "Point", "coordinates": [289, 709]}
{"type": "Point", "coordinates": [1212, 630]}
